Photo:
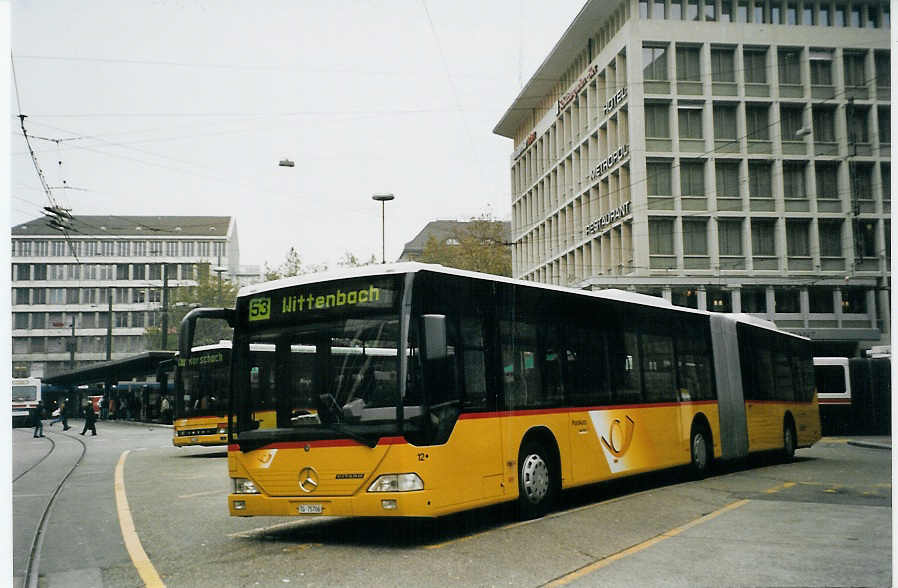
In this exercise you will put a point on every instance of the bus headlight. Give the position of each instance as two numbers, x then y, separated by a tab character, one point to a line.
244	486
397	483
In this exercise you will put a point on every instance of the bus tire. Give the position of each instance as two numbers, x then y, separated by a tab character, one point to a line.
700	450
789	440
537	480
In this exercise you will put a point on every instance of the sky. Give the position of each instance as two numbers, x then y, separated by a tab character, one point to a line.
185	107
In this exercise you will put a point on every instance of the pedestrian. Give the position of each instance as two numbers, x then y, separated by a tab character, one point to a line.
102	404
89	419
166	410
36	422
63	417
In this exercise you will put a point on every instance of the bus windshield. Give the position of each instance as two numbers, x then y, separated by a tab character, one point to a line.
204	385
23	393
325	379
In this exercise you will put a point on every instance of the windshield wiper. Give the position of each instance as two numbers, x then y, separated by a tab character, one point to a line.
331	409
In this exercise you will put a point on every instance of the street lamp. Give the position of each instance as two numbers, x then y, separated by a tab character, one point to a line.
383	199
219	269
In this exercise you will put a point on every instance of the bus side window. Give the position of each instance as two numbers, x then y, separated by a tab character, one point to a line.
658	366
693	367
626	368
587	376
474	363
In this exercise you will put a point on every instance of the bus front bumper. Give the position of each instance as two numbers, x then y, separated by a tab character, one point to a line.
369	504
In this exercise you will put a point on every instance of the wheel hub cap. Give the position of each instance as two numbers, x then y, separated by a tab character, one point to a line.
535	478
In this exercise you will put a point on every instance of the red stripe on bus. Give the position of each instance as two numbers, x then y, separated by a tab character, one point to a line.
571	409
833	401
321	443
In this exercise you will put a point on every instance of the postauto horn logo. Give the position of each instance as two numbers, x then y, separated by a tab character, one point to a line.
616	438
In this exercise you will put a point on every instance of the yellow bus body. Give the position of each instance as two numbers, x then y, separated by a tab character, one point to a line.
200	430
476	467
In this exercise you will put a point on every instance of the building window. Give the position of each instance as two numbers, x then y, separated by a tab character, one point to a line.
171	248
726	11
789	66
725	122
729	236
685	297
658	9
854	300
123	248
786	300
727	176
692	178
38	320
884	124
71	296
643	9
690	122
20	320
654	61
821	63
723	67
759	182
776	12
38	296
658	178
719	300
41	248
867	229
742	11
820	300
754	300
757	124
23	272
755	64
656	123
688	64
793	180
830	231
155	295
710	10
691	9
155	271
824	124
661	236
695	237
55	272
121	271
203	249
763	238
858	128
824	19
676	10
140	248
791	13
58	248
863	181
21	295
40	271
797	238
55	295
883	70
885	172
791	121
854	70
855	16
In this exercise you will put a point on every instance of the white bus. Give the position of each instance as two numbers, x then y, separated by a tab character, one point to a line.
26	393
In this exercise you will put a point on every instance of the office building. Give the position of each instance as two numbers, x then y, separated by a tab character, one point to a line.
63	288
729	155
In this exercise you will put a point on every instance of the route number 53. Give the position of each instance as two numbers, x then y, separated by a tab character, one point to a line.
259	309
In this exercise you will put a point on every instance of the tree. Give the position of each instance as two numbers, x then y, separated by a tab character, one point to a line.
291	266
209	291
350	260
478	245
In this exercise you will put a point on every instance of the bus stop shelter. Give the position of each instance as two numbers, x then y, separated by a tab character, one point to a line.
109	377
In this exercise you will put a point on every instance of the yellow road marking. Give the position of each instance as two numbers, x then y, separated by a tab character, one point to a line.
588	569
782	486
139	558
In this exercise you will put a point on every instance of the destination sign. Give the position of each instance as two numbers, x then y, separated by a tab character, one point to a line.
198	360
332	298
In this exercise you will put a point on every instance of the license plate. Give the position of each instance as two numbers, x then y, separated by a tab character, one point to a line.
310	509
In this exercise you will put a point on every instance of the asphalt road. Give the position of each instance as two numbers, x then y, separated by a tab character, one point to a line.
823	520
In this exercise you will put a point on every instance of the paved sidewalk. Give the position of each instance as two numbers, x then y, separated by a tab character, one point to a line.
872	441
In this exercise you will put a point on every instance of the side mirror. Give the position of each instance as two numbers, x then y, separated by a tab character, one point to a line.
188	325
435	346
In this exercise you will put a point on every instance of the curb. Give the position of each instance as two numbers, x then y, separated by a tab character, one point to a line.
870	445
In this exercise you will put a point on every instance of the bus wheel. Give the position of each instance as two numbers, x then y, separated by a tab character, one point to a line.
788	441
700	450
536	481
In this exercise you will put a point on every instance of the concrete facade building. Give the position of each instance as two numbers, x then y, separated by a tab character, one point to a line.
729	155
63	288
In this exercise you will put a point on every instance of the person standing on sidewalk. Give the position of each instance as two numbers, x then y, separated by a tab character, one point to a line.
89	419
36	422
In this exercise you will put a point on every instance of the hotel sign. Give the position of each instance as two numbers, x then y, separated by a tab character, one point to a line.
615	100
608	218
609	162
569	97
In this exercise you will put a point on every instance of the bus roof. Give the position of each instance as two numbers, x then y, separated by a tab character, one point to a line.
413	267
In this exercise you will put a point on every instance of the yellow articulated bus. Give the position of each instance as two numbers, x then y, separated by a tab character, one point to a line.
466	390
